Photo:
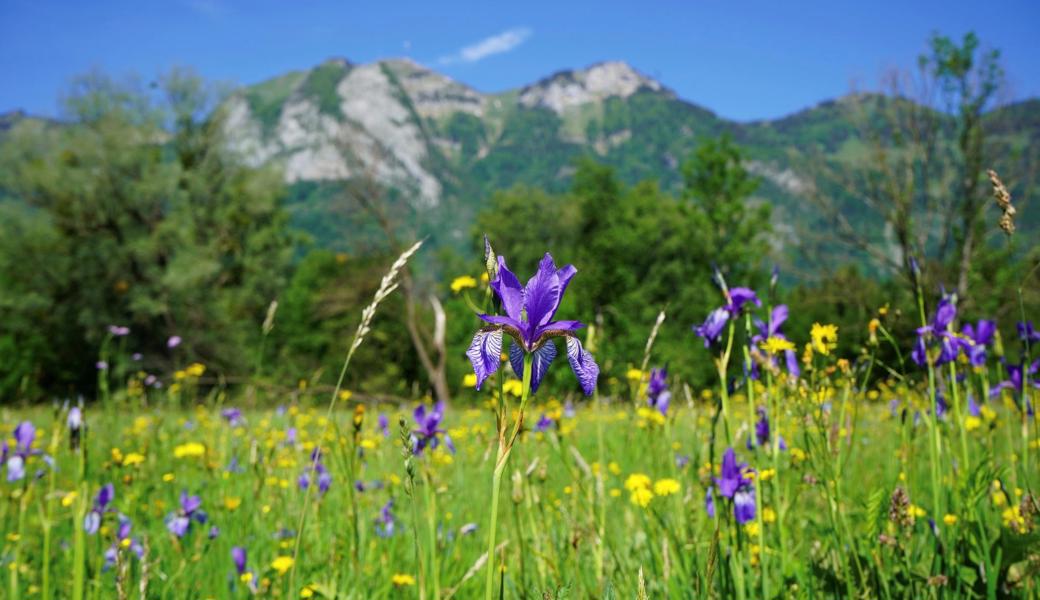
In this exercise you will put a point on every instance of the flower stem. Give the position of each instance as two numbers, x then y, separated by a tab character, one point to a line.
504	448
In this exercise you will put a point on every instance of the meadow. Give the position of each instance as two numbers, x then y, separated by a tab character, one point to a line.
803	474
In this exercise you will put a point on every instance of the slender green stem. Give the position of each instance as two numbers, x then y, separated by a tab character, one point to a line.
504	448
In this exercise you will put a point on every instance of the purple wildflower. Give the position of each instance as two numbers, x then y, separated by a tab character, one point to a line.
1027	333
385	522
772	329
233	416
657	394
529	322
104	497
734	484
179	523
173	342
118	330
384	424
545	423
428	432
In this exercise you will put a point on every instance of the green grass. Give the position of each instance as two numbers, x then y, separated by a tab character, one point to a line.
825	500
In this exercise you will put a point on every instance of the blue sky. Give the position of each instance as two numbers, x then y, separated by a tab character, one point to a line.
742	59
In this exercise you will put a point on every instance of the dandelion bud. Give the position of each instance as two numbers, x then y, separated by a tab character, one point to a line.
490	260
359	417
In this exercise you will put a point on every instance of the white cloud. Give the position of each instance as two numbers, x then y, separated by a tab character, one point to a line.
496	44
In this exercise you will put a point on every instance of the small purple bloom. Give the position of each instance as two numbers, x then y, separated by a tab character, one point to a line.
385	523
709	502
657	392
173	342
762	427
544	424
744	505
428	432
233	416
1027	333
384	424
179	523
118	330
104	497
711	329
238	557
101	365
732	474
738	297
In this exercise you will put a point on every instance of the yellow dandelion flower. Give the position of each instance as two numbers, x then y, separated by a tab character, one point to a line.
463	282
168	477
402	579
232	502
514	387
751	528
824	338
768	515
68	499
195	370
633	375
776	345
614	492
190	449
133	458
666	487
642	497
637	481
950	519
282	564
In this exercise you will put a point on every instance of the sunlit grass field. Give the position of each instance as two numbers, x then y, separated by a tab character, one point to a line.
803	474
597	491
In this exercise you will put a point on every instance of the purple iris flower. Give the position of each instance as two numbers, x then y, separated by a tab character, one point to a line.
1027	333
709	502
736	298
428	433
233	416
657	394
777	318
529	322
762	427
104	497
980	335
324	477
941	405
385	522
122	534
16	457
711	329
179	523
938	330
732	475
1016	381
734	483
238	556
744	505
545	423
384	424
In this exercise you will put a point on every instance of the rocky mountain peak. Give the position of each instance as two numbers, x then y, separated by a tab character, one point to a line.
598	82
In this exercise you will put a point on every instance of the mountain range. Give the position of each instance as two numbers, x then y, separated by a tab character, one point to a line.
442	148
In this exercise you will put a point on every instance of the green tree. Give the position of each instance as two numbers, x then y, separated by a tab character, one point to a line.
137	217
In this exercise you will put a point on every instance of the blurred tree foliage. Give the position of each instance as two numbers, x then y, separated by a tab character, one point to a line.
129	213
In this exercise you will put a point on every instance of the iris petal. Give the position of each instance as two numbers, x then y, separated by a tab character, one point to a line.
509	290
485	353
542	357
583	365
542	294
